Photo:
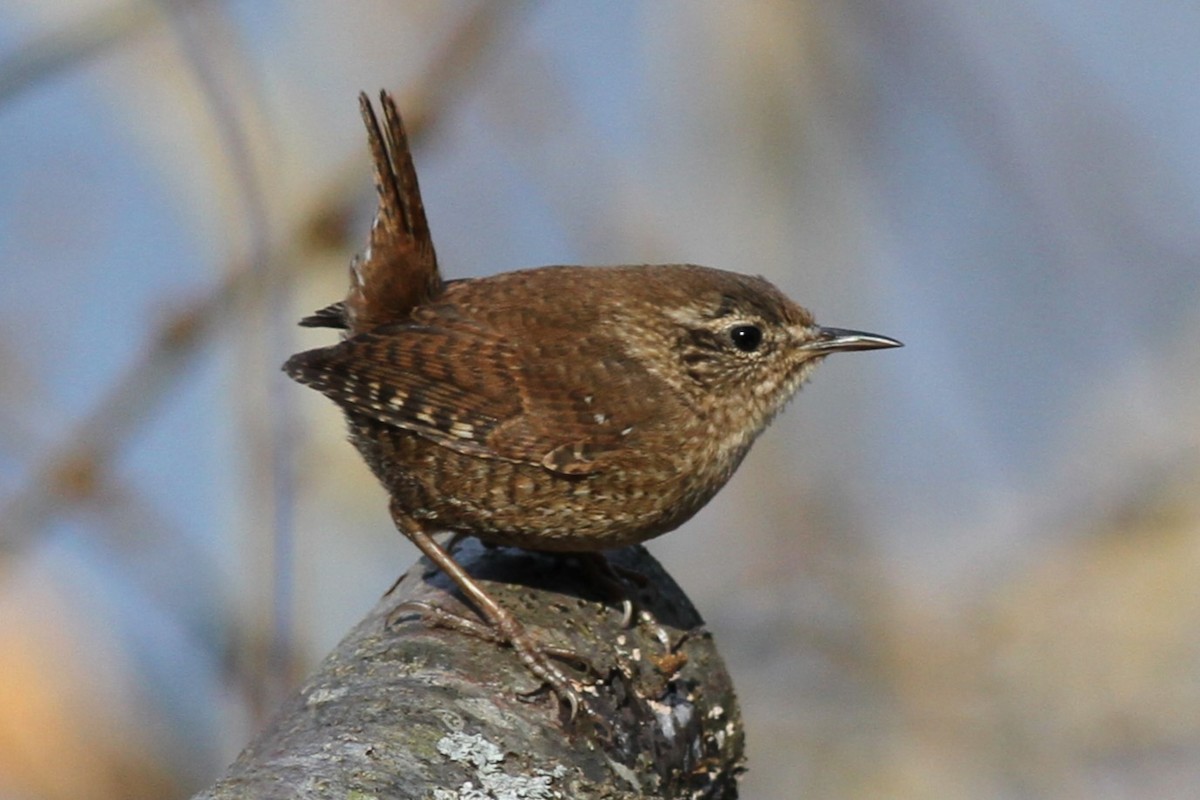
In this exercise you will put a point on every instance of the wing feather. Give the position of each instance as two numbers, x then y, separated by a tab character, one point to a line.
414	377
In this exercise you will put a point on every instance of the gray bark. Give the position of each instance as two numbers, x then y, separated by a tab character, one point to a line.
409	711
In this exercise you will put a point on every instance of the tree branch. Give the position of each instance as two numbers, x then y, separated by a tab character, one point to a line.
411	711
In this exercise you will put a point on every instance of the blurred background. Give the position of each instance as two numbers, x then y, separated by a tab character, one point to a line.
968	568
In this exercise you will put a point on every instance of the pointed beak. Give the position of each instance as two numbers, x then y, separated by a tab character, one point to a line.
831	340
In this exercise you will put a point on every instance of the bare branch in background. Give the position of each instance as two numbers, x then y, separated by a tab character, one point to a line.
69	48
69	472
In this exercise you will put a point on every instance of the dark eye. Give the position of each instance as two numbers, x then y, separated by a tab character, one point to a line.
746	338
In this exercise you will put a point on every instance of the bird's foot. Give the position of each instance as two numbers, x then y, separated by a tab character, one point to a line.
538	658
613	580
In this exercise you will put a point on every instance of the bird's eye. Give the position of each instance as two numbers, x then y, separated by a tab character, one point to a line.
746	338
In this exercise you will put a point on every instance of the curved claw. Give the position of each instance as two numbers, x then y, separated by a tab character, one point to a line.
627	610
611	579
534	655
565	694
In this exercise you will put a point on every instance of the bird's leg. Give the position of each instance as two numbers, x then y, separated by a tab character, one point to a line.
502	627
451	543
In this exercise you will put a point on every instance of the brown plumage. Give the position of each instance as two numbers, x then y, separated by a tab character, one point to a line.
398	271
558	408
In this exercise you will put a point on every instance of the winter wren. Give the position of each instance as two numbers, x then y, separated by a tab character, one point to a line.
571	409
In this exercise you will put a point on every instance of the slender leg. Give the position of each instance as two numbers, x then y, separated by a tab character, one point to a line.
450	545
505	626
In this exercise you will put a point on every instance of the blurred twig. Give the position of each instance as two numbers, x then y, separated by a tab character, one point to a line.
424	102
218	63
68	48
71	472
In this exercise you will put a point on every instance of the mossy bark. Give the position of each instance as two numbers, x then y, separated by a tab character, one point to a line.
409	711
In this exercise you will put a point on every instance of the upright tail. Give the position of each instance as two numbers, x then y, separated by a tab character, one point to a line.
398	270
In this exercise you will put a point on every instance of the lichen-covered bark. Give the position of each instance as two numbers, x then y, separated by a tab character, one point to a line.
409	711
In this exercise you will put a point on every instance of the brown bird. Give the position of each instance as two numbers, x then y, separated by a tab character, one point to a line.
562	408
